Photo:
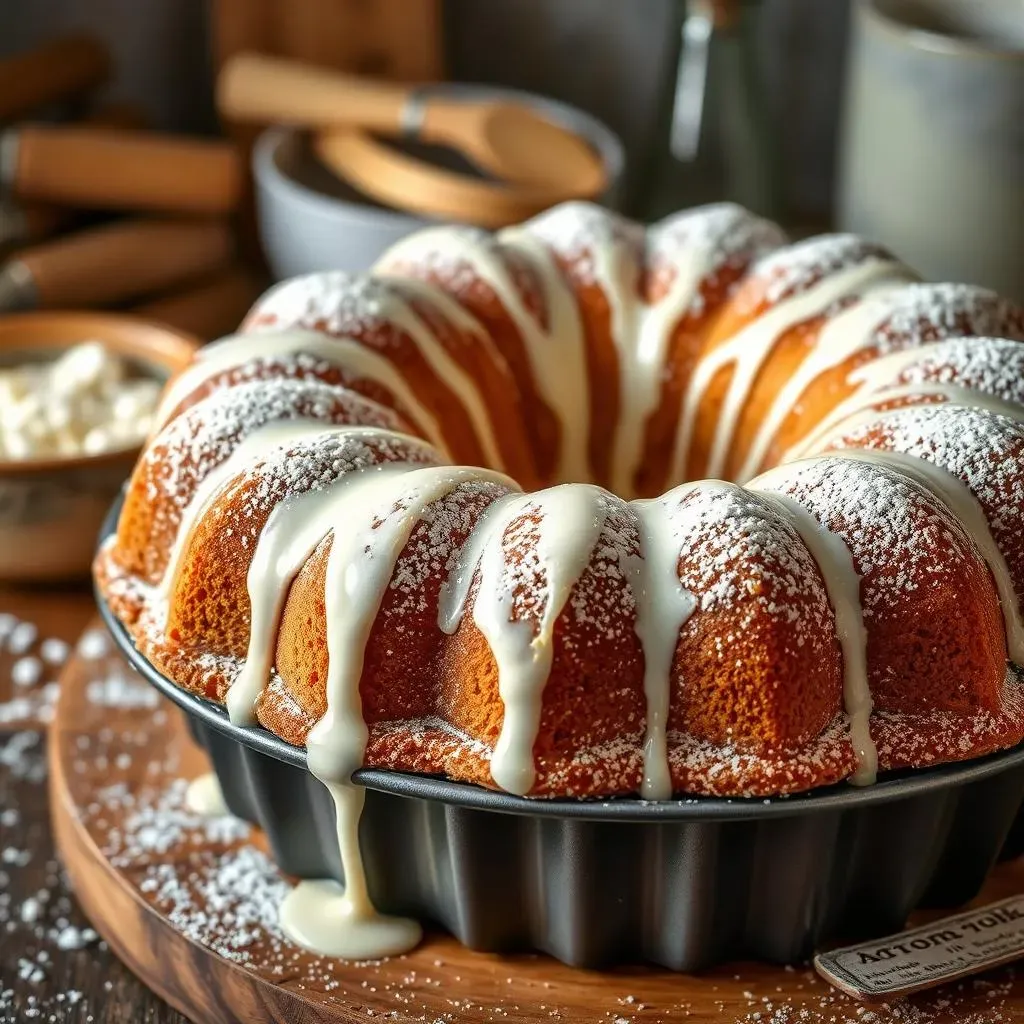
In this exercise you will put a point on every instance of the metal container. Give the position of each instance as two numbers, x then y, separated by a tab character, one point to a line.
681	883
310	220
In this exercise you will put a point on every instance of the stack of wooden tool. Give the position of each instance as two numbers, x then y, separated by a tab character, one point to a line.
98	212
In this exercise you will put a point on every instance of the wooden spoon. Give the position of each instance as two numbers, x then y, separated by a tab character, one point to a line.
508	140
407	183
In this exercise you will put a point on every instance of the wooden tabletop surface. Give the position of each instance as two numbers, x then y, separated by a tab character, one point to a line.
51	968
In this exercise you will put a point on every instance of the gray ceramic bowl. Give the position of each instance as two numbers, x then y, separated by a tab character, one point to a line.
310	220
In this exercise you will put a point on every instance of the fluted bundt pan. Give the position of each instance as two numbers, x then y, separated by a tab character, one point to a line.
682	883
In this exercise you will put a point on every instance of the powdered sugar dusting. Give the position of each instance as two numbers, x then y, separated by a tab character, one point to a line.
739	551
204	437
316	462
983	449
798	267
993	366
330	301
432	550
576	231
607	608
915	314
892	526
721	232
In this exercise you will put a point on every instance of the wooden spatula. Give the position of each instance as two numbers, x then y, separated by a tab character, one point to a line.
511	141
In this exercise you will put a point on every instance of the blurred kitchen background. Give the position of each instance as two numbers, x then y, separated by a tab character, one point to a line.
900	119
616	60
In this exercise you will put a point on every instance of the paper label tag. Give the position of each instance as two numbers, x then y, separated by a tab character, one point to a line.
931	955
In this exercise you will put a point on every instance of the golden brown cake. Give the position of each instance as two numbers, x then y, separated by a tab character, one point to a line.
441	518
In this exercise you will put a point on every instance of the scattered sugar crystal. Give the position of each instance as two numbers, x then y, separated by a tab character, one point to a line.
26	671
22	637
72	937
93	644
31	909
54	651
121	691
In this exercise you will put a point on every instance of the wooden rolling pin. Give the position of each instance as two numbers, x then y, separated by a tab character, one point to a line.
112	264
110	169
208	310
25	223
55	71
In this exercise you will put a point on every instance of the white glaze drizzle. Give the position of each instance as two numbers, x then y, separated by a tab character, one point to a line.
748	349
342	305
557	355
843	585
292	532
371	525
237	350
398	312
451	605
558	359
643	364
663	606
570	520
960	500
847	333
249	451
341	921
862	408
204	797
617	272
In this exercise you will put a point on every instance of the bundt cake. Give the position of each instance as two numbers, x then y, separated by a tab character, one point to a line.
450	517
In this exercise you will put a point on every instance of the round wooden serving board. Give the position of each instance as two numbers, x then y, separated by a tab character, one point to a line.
188	904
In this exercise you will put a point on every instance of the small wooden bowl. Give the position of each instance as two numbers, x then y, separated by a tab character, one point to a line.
51	509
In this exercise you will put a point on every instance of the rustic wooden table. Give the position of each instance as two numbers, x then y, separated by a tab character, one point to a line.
51	966
54	968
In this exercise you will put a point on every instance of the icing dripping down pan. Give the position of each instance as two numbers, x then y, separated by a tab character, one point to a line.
684	883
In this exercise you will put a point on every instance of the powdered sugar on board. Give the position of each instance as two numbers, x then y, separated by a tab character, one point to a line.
29	667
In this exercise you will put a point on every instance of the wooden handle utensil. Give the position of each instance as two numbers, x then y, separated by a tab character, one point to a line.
509	140
25	223
112	169
112	264
52	72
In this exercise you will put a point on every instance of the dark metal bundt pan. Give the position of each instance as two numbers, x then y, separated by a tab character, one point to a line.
684	883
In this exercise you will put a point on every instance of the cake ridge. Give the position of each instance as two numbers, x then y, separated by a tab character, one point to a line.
310	533
837	279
